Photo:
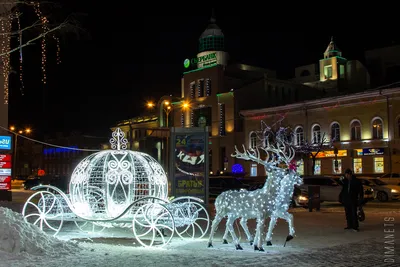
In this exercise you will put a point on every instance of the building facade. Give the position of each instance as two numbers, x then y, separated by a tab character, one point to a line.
365	127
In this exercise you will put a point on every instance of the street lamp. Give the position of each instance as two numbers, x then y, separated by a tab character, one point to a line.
167	109
14	131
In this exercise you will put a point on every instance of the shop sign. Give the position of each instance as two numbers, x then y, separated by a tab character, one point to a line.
5	142
372	151
206	60
330	154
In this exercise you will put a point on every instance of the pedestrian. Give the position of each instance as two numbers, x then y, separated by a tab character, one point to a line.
352	196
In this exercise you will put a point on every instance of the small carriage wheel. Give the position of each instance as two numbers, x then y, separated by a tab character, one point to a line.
153	222
44	209
191	219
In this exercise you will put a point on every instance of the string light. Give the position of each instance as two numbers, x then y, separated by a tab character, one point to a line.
45	28
5	57
208	87
20	41
58	52
222	131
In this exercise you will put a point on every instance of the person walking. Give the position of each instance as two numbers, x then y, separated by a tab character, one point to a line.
352	196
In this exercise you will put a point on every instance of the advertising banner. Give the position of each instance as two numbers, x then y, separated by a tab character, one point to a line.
5	182
5	142
189	162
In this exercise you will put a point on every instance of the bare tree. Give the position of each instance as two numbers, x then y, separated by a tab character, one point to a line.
313	148
18	31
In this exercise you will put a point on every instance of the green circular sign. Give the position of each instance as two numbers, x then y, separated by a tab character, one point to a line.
186	63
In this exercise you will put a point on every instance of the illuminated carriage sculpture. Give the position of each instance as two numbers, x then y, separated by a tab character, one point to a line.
119	188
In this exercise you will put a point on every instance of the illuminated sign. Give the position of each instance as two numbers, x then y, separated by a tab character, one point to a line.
5	165
372	151
48	151
5	182
5	157
5	142
206	60
330	154
5	172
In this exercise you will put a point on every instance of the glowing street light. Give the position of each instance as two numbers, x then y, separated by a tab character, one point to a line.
150	105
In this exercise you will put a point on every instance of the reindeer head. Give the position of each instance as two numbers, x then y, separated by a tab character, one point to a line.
254	155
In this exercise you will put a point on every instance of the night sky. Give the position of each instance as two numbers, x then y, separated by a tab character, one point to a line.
112	67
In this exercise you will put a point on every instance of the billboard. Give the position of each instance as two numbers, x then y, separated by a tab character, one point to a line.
5	171
5	142
189	162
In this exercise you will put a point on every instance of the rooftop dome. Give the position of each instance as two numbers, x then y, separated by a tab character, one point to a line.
212	39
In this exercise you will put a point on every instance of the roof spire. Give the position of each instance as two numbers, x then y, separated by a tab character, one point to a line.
212	19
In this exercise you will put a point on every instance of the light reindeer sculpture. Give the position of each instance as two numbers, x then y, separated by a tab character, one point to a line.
245	204
271	200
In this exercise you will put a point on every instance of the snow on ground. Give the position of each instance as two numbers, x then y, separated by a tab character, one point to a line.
317	233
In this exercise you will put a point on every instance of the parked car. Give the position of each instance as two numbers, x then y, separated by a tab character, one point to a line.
32	181
391	178
219	184
330	187
382	191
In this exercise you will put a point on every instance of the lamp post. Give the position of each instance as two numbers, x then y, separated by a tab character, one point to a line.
16	132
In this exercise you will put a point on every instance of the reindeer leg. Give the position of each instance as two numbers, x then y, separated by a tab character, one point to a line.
243	223
271	227
225	237
260	227
229	225
214	226
289	218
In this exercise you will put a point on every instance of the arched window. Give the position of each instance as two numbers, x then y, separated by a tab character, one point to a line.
377	128
316	134
299	136
253	140
355	127
335	132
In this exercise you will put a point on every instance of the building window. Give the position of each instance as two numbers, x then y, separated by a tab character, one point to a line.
222	119
335	132
341	71
337	170
192	89
328	71
208	87
253	170
317	168
355	131
379	165
253	140
316	134
377	131
299	138
300	167
357	165
182	119
200	88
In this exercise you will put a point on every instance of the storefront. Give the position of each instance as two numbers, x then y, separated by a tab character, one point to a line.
361	161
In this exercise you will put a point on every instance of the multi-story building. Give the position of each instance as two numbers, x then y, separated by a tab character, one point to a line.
365	127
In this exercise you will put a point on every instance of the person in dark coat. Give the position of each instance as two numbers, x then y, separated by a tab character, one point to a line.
352	196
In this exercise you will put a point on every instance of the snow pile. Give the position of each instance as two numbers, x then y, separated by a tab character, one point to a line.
17	236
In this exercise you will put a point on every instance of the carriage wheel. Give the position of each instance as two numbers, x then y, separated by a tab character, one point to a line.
153	225
192	219
44	209
96	202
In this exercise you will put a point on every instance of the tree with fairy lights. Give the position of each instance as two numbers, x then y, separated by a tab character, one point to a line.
272	200
18	31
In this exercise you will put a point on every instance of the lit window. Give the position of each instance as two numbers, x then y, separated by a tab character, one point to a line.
317	168
300	168
379	165
316	134
335	132
337	170
357	165
377	131
299	136
253	140
328	71
253	170
355	131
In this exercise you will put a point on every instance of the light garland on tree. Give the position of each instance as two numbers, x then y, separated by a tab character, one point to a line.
272	200
5	47
45	28
20	41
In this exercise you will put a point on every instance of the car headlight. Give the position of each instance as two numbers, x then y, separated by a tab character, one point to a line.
394	191
302	198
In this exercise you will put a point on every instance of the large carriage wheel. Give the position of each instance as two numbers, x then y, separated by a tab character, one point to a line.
191	219
153	224
44	209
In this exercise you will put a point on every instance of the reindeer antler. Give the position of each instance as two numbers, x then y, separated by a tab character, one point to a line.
252	154
282	150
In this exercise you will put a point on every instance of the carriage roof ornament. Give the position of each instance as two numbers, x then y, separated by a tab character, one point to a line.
118	140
